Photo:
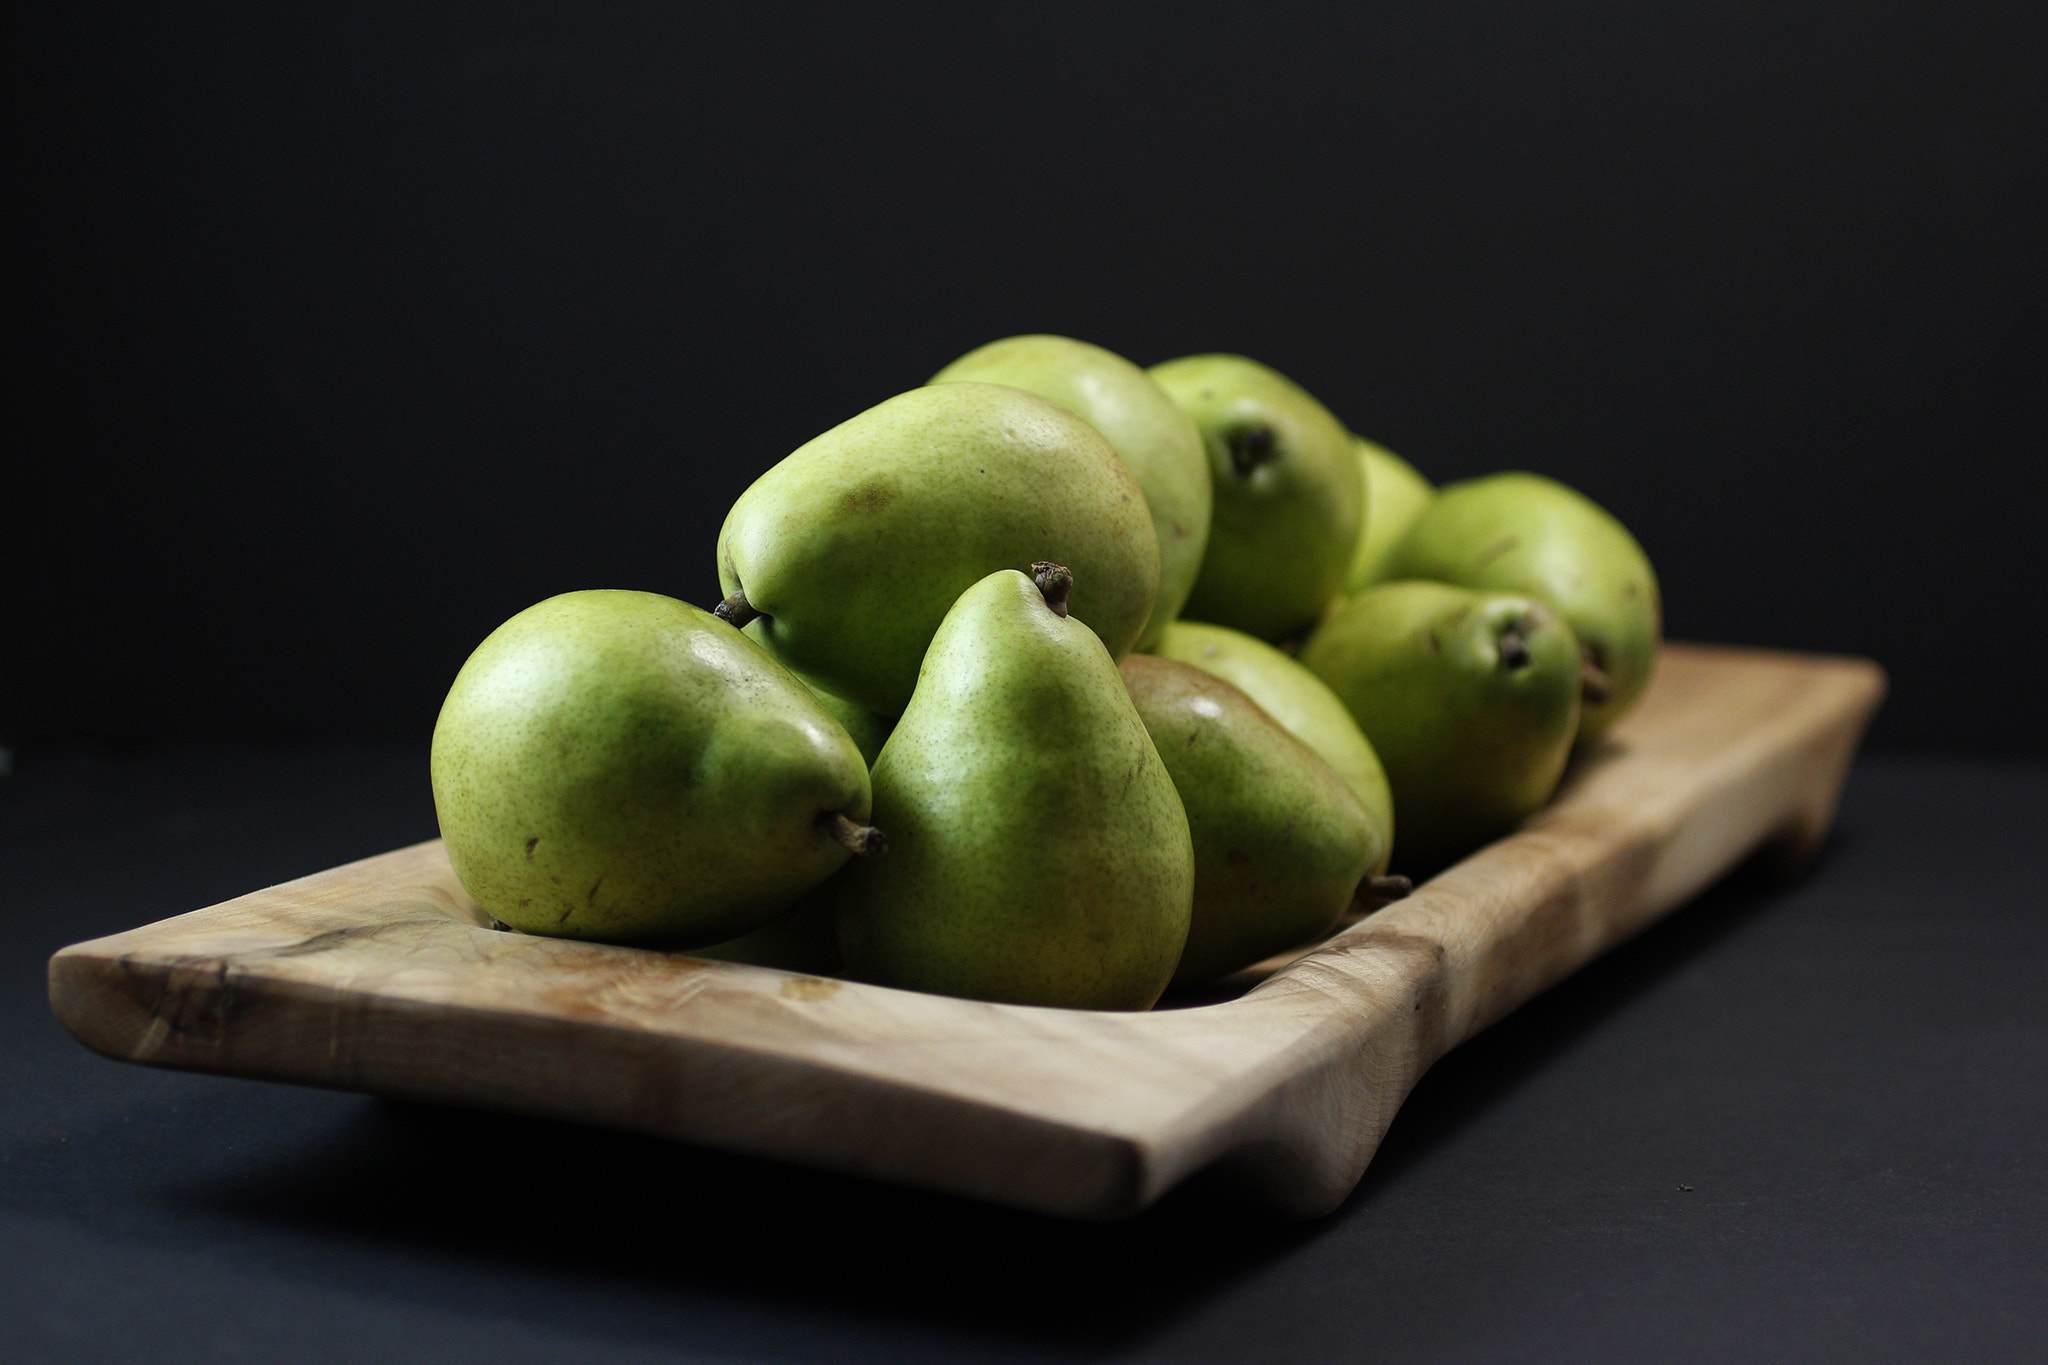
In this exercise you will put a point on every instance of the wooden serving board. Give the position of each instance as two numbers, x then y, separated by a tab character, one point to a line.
383	976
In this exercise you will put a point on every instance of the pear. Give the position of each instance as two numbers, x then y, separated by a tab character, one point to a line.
867	729
1155	438
856	546
1289	495
1528	534
1038	852
1395	495
1470	700
622	766
1300	701
1280	841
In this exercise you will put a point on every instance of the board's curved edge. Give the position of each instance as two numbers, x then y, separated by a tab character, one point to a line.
1303	1074
1575	896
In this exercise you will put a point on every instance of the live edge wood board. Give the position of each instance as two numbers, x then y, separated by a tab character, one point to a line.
382	976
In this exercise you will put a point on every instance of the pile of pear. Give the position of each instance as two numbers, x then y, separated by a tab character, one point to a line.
1054	681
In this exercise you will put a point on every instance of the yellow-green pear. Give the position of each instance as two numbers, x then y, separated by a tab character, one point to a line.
1299	700
1038	852
1470	700
622	766
1155	438
1280	841
1289	495
1525	533
1395	495
856	546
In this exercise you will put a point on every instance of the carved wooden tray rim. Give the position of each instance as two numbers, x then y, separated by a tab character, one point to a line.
381	975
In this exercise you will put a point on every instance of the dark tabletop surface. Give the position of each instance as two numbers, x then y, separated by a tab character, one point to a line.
1799	1120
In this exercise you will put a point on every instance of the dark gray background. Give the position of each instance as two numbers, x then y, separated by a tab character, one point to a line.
1796	1122
352	329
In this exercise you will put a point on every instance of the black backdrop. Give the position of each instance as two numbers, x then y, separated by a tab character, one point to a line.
352	329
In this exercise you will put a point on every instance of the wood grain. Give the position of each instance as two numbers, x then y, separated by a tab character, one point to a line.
382	976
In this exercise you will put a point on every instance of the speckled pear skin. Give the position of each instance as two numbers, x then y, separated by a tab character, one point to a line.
1148	429
622	766
1288	510
1280	840
1472	742
1038	852
1395	494
1300	701
857	544
1525	533
867	729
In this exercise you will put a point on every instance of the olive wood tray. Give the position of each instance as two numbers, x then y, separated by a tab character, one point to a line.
383	976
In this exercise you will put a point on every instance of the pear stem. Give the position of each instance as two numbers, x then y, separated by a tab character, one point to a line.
1514	650
1054	581
1595	687
735	609
864	840
1252	447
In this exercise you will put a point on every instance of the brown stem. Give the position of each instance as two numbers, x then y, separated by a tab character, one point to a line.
1251	447
1514	650
1054	581
1385	888
865	840
735	609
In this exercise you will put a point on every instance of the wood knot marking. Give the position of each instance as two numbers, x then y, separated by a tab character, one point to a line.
189	999
809	988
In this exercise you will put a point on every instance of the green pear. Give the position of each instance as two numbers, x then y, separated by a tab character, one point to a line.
856	545
1280	841
1527	534
1470	700
1395	495
1300	701
1155	438
622	766
1289	496
867	729
1038	852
